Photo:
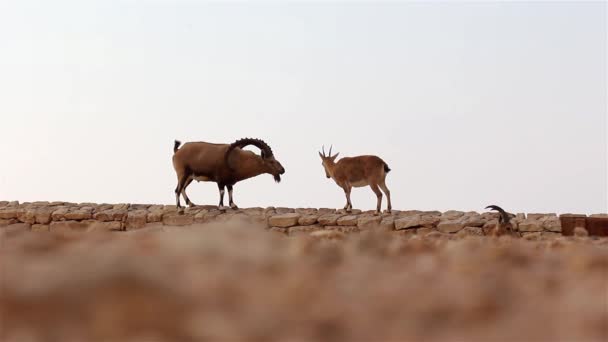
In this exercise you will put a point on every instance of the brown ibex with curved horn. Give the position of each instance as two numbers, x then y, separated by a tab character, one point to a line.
504	225
225	164
359	171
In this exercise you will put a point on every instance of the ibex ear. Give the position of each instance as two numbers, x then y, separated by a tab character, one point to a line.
335	156
320	155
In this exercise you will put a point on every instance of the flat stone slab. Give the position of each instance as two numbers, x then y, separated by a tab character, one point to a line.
284	220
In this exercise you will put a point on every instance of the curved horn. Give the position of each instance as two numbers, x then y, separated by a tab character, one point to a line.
259	143
323	149
503	214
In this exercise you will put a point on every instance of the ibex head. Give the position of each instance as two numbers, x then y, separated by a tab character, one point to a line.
327	160
271	165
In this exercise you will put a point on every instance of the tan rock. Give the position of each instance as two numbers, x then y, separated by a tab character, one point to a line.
349	220
551	223
284	220
452	215
28	216
473	220
111	215
387	224
43	215
530	225
282	210
306	211
324	211
177	220
415	221
121	206
11	213
538	216
580	232
329	219
450	226
308	219
136	219
105	226
80	214
59	213
372	222
156	216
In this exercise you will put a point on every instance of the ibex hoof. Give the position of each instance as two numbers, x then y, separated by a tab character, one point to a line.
222	208
191	205
233	206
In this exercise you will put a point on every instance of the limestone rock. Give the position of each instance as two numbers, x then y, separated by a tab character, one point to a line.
329	219
59	213
452	215
10	213
136	219
450	226
539	216
80	214
308	219
551	223
473	220
284	220
155	216
371	222
415	221
530	225
349	220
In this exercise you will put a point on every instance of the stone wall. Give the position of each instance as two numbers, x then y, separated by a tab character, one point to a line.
63	216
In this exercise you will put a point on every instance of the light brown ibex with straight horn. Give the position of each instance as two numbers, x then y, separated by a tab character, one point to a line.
225	164
356	172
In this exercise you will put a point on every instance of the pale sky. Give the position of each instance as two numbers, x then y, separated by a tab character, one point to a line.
469	103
